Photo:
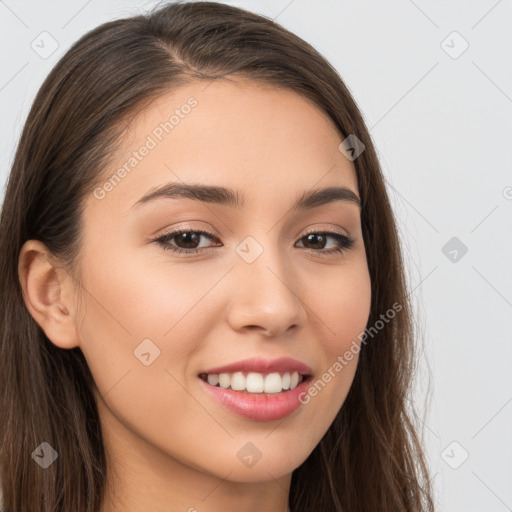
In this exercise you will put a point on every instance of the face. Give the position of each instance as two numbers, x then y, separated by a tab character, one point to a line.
254	289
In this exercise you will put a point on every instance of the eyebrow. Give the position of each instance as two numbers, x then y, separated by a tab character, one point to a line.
228	197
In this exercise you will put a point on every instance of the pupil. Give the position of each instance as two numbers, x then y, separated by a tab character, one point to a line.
183	238
313	236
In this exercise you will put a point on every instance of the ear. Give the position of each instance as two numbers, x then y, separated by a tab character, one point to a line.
48	294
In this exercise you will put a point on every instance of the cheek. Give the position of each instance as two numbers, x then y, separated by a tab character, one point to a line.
342	301
145	295
342	305
132	308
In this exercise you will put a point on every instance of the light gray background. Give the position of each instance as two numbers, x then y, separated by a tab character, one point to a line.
442	124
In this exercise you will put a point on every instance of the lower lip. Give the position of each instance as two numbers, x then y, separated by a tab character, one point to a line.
259	407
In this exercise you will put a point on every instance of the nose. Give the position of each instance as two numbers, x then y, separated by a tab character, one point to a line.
266	296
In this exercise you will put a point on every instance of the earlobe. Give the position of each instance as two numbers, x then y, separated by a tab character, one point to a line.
47	291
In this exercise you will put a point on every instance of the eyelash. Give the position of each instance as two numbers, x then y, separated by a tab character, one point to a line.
345	241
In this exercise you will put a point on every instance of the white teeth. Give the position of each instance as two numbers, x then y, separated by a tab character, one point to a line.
286	381
273	383
238	381
294	380
224	380
254	382
213	379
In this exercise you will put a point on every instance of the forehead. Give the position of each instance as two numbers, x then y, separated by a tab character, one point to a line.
235	133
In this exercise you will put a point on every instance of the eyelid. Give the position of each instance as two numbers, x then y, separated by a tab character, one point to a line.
178	228
317	229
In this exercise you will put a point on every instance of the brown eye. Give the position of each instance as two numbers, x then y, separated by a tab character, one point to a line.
317	241
189	239
184	240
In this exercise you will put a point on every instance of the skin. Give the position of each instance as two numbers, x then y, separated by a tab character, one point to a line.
168	442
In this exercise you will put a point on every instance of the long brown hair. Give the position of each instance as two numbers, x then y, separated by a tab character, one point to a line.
371	458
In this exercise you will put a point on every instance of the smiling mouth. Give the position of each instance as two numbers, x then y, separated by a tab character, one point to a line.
255	382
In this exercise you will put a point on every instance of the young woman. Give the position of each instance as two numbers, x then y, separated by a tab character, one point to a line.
203	297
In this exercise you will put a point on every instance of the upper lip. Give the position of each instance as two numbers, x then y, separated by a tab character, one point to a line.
262	365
